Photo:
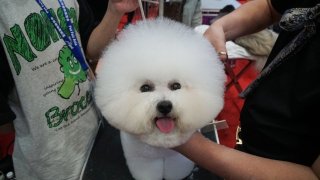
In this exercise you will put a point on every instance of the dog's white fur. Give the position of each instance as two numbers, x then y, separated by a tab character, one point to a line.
159	53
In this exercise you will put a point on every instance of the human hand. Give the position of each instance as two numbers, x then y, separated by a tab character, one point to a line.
122	6
193	141
215	34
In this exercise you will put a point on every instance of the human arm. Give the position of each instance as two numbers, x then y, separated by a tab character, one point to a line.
251	17
103	34
233	164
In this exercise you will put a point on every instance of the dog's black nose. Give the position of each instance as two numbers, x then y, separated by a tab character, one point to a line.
164	107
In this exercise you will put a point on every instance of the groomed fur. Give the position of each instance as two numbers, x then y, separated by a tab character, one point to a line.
158	53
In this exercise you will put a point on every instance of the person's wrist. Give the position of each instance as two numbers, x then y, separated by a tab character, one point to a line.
223	55
114	14
180	147
192	140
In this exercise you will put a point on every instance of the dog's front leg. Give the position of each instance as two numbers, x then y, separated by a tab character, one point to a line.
145	169
177	167
142	159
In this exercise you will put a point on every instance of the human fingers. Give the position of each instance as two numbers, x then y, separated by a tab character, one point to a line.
216	36
124	6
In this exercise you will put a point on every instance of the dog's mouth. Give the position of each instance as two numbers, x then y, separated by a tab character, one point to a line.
165	124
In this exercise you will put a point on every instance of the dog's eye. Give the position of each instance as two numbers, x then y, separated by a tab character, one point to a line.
175	86
146	88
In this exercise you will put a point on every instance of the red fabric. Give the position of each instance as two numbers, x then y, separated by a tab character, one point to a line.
6	144
242	1
233	105
152	13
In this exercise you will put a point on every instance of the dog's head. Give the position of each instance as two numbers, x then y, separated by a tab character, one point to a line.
160	81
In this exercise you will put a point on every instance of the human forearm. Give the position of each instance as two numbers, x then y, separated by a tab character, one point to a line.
316	167
232	164
102	35
249	18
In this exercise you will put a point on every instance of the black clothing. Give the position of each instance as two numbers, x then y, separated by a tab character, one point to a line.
99	7
6	79
279	119
87	22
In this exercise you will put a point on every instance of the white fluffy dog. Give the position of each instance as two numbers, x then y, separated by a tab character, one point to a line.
159	83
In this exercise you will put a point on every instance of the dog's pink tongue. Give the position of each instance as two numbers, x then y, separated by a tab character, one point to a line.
165	125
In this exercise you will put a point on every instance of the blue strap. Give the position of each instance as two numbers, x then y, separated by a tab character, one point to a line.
71	41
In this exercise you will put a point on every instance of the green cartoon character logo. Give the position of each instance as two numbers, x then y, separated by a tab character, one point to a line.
73	73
